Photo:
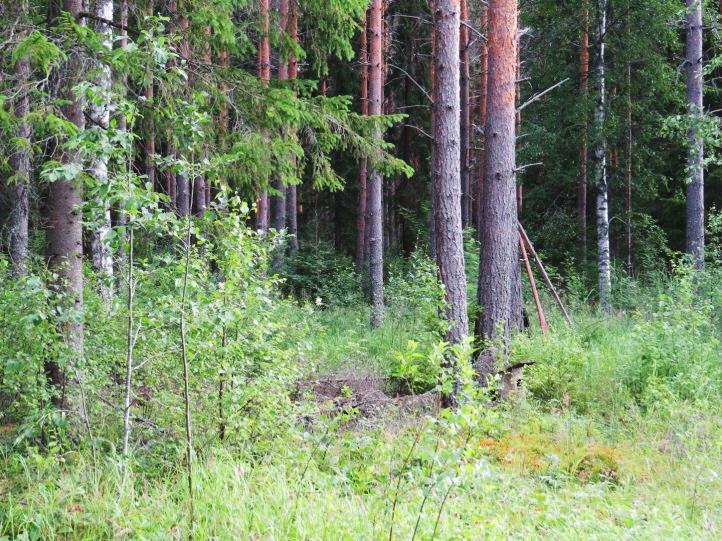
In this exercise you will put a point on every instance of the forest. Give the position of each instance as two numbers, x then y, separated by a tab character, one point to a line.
360	269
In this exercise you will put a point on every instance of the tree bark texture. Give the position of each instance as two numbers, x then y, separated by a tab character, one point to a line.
695	163
465	117
264	73
483	84
499	262
65	236
447	170
375	187
600	164
19	189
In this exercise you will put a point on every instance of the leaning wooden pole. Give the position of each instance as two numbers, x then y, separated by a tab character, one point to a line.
544	274
535	292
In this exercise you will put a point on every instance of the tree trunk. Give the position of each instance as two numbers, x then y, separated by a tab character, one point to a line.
65	239
20	164
279	206
448	163
483	85
183	187
465	120
600	164
583	147
292	191
149	141
695	161
432	213
361	254
629	171
375	188
99	113
264	73
499	261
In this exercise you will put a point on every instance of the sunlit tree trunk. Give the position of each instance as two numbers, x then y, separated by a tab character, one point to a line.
499	257
695	163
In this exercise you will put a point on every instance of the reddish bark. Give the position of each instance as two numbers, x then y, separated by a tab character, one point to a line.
264	73
291	192
465	119
499	257
483	84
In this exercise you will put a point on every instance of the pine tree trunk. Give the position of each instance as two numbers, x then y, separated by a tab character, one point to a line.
600	164
695	186
499	260
20	165
483	85
361	254
264	73
447	171
465	119
65	239
292	191
375	187
583	147
279	201
99	113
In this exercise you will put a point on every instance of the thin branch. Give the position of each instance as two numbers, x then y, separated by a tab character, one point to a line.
428	97
538	96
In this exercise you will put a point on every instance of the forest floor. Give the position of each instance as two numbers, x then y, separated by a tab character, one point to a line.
577	458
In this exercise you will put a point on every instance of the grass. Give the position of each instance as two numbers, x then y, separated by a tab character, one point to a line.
620	436
553	475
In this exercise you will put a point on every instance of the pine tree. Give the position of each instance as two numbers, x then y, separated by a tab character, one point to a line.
465	116
375	185
499	261
447	165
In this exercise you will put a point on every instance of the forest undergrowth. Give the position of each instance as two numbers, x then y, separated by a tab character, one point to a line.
618	434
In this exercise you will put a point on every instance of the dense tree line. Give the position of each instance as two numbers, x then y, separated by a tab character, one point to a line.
379	126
